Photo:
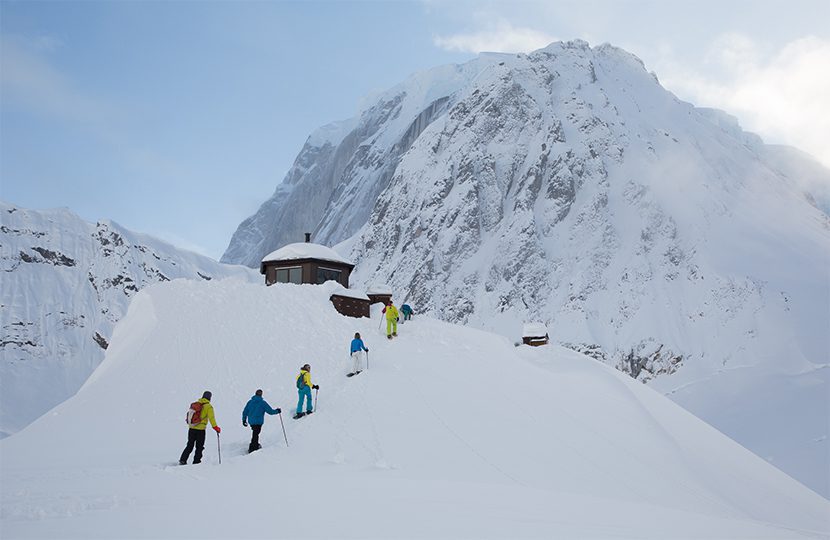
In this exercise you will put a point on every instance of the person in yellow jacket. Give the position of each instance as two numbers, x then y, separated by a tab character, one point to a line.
304	387
198	425
391	319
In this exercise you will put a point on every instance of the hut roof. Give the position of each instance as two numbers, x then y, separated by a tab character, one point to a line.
305	250
348	293
535	329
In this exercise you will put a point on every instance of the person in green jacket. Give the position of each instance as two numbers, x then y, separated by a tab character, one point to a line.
197	422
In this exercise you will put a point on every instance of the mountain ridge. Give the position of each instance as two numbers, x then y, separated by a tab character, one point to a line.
66	283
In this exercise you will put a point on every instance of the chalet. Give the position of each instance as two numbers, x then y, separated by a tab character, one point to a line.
535	334
305	262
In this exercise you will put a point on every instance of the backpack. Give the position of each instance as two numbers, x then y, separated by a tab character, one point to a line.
301	381
194	414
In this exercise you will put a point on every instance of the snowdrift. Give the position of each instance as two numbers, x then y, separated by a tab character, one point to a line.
66	283
451	432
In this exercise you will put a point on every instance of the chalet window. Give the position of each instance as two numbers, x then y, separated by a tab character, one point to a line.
290	275
327	274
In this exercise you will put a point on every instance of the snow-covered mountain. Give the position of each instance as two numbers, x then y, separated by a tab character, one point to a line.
65	283
451	432
568	186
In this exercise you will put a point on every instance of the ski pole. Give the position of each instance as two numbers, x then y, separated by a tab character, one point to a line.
367	359
218	448
283	429
316	400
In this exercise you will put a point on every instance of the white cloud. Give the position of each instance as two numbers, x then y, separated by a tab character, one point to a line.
782	96
499	37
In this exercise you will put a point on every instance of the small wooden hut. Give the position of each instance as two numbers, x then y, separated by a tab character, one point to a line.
350	303
535	334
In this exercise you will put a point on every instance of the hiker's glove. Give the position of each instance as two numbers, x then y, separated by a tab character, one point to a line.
316	387
244	423
217	429
279	410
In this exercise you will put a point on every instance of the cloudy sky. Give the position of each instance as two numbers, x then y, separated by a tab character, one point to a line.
179	118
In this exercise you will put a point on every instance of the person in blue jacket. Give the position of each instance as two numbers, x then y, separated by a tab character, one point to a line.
357	351
254	414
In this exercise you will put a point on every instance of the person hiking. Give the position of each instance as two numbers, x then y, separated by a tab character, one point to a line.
197	418
407	311
357	351
254	414
391	319
304	387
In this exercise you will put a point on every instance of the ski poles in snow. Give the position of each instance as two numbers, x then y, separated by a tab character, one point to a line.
283	429
316	399
218	448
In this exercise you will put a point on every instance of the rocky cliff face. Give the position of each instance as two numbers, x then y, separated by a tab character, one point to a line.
65	283
567	186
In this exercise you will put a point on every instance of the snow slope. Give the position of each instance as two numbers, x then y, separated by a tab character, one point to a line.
568	187
451	432
65	283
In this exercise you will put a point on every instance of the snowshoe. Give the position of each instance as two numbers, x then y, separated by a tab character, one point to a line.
299	415
395	334
309	412
389	336
182	463
351	374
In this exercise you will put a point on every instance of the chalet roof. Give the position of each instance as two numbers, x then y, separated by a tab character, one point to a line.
305	250
535	329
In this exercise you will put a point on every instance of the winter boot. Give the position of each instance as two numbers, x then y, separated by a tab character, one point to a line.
299	415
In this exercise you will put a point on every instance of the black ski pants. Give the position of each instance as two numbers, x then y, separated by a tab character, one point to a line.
254	446
194	437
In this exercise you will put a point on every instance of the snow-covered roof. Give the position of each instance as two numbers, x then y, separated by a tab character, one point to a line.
535	329
379	289
305	250
348	293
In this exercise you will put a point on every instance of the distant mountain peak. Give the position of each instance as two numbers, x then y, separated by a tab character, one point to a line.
567	186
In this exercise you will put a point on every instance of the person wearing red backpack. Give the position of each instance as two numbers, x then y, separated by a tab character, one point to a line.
200	413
